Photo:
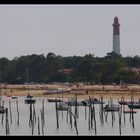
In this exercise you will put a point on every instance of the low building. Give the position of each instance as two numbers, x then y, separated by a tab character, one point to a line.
66	71
134	69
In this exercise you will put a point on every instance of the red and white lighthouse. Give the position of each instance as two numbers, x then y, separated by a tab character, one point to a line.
116	36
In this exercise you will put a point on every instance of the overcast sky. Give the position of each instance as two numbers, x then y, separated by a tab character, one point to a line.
67	30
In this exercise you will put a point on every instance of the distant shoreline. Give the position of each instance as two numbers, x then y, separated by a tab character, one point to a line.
107	91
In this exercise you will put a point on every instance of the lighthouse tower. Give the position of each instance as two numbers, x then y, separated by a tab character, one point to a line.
116	36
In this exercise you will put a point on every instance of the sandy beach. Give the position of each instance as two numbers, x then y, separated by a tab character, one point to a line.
107	91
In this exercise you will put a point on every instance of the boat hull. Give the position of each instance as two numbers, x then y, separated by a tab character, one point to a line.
2	109
30	101
133	106
129	111
54	100
57	91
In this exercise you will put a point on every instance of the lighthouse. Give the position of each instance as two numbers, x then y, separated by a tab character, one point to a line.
116	36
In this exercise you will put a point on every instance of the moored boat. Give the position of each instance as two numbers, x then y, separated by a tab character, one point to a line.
14	97
130	111
62	106
111	107
93	101
2	109
135	105
74	103
54	100
125	102
29	99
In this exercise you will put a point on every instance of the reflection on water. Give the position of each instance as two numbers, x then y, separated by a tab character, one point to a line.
104	126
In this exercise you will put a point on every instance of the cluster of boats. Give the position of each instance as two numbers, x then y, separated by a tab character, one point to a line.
74	102
130	104
63	105
29	100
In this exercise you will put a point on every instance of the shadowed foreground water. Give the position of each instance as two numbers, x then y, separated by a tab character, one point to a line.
50	127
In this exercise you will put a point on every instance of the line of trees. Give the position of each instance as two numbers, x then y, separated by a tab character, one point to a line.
108	69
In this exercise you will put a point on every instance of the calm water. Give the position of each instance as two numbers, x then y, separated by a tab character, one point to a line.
50	127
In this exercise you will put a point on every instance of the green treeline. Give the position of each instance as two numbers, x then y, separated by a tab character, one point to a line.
108	69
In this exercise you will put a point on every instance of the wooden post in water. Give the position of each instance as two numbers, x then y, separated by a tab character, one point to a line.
38	126
17	113
112	112
120	116
132	100
94	119
57	122
77	110
89	113
61	112
43	116
120	123
75	123
101	111
106	114
31	116
76	114
85	112
7	123
2	114
67	114
42	122
10	111
32	126
34	113
123	99
121	109
70	114
131	109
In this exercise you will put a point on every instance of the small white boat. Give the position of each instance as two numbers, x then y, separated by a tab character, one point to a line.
59	90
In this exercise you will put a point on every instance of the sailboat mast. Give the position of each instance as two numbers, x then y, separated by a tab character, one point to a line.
27	71
62	83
